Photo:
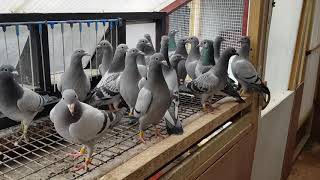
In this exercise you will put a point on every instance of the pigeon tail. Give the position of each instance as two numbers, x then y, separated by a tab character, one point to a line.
229	90
174	129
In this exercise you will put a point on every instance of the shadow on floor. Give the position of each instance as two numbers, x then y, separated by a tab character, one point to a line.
307	165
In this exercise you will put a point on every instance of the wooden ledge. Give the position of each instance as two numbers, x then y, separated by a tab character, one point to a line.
149	161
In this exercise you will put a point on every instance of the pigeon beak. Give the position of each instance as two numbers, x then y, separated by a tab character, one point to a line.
176	30
86	54
15	73
223	39
141	53
237	54
71	108
98	46
199	45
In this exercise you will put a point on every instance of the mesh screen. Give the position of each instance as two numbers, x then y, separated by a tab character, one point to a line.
209	18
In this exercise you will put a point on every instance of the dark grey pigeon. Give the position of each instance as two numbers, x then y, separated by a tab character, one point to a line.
18	103
154	98
214	81
193	57
74	77
107	56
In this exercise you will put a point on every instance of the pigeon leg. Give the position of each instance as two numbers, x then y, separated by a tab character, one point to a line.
131	112
207	107
77	154
87	160
157	132
141	137
24	128
111	109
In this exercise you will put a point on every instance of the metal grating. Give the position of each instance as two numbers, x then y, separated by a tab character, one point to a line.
44	156
210	18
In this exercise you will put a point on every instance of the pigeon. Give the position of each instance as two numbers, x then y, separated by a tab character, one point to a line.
246	74
181	47
178	63
206	57
173	124
172	42
217	47
19	103
213	81
107	56
153	99
81	123
107	91
147	48
131	81
7	67
193	57
74	77
164	47
148	37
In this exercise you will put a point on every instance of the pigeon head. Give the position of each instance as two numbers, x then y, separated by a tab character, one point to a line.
147	36
104	44
123	48
79	53
219	39
173	32
206	44
134	52
7	67
182	41
157	57
193	40
70	97
227	53
175	59
142	44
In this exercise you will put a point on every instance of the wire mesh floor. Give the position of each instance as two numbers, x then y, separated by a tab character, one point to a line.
44	156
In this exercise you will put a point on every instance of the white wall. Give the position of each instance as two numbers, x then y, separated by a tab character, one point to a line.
311	67
137	31
272	138
282	39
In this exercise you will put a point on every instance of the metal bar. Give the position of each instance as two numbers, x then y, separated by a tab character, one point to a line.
55	22
63	53
31	57
66	16
42	59
5	43
161	29
19	54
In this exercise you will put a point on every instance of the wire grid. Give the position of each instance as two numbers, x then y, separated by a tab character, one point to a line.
216	17
44	156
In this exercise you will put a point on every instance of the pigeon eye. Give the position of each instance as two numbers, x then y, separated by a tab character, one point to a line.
75	96
122	47
63	98
157	58
5	69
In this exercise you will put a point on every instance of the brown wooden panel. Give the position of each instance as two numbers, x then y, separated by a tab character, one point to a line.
292	132
235	164
315	133
174	6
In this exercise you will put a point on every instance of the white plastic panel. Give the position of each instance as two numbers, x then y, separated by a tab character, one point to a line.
61	6
312	62
137	31
281	45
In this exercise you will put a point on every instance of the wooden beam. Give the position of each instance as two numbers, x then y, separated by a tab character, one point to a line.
198	162
152	159
174	6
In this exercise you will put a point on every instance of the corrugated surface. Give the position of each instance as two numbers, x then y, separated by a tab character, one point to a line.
59	6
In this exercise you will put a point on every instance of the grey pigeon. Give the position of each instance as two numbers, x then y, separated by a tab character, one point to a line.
206	57
217	47
154	98
181	47
107	91
147	48
246	74
193	57
173	124
18	103
74	77
81	123
213	81
178	63
107	56
172	42
130	79
7	67
148	37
